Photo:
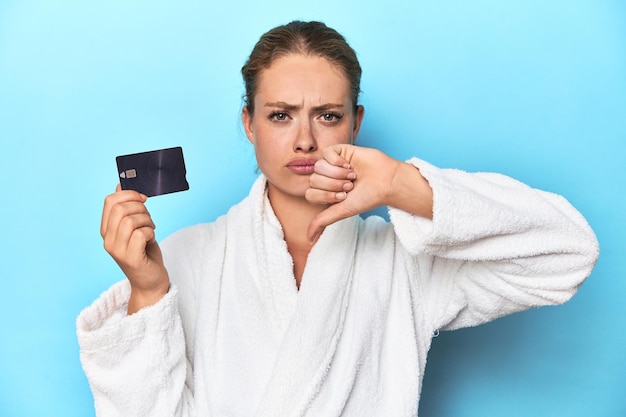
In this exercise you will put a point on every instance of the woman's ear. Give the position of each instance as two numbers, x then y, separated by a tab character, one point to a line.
358	119
246	120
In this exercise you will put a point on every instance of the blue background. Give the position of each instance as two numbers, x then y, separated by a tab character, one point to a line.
533	89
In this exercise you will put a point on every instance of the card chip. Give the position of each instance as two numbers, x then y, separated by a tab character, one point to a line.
129	173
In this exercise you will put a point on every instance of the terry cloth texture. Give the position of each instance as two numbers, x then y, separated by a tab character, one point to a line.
234	337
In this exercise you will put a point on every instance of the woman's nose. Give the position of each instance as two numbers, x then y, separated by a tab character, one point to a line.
305	140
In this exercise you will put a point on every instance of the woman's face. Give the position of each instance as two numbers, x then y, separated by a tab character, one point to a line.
302	105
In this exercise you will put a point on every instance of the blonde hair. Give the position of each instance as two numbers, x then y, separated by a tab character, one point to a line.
306	38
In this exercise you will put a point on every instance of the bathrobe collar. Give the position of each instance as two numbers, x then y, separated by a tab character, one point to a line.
310	320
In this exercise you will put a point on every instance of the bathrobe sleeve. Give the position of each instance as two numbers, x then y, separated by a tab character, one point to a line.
495	246
136	365
142	364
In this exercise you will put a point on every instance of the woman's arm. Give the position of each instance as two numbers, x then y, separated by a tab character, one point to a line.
132	344
486	245
494	246
128	233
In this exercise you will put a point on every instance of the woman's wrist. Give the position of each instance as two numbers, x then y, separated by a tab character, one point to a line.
144	298
410	191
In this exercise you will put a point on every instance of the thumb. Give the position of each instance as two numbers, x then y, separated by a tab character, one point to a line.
339	155
332	214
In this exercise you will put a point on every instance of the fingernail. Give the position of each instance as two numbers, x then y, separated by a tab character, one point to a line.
342	195
346	166
352	175
347	186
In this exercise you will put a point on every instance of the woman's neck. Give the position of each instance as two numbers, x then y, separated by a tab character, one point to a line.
294	214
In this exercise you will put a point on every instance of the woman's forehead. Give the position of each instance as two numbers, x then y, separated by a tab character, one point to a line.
295	78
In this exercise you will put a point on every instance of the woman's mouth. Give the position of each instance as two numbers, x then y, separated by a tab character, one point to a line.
302	166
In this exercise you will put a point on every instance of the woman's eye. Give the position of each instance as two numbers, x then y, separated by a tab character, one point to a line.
331	117
278	116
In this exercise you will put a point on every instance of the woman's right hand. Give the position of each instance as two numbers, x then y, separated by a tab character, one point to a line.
128	233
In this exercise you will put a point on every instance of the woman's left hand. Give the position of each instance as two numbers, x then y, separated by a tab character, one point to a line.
373	177
353	180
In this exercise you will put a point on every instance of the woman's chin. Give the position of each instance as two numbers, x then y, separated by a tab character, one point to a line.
290	191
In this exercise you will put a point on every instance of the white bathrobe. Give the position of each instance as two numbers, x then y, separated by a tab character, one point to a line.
235	338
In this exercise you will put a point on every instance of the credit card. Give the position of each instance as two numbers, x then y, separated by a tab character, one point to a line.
154	172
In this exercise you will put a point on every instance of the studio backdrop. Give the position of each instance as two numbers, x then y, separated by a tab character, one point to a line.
533	89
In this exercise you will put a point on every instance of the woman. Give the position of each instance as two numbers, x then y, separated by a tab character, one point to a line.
293	305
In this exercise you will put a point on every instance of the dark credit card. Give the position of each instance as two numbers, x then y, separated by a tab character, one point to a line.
154	172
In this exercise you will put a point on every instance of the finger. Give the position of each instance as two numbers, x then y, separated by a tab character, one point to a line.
118	212
125	244
129	224
327	217
327	169
137	243
123	219
316	196
118	234
321	182
112	200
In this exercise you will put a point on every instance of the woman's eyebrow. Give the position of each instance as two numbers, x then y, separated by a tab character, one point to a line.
287	106
328	106
282	105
